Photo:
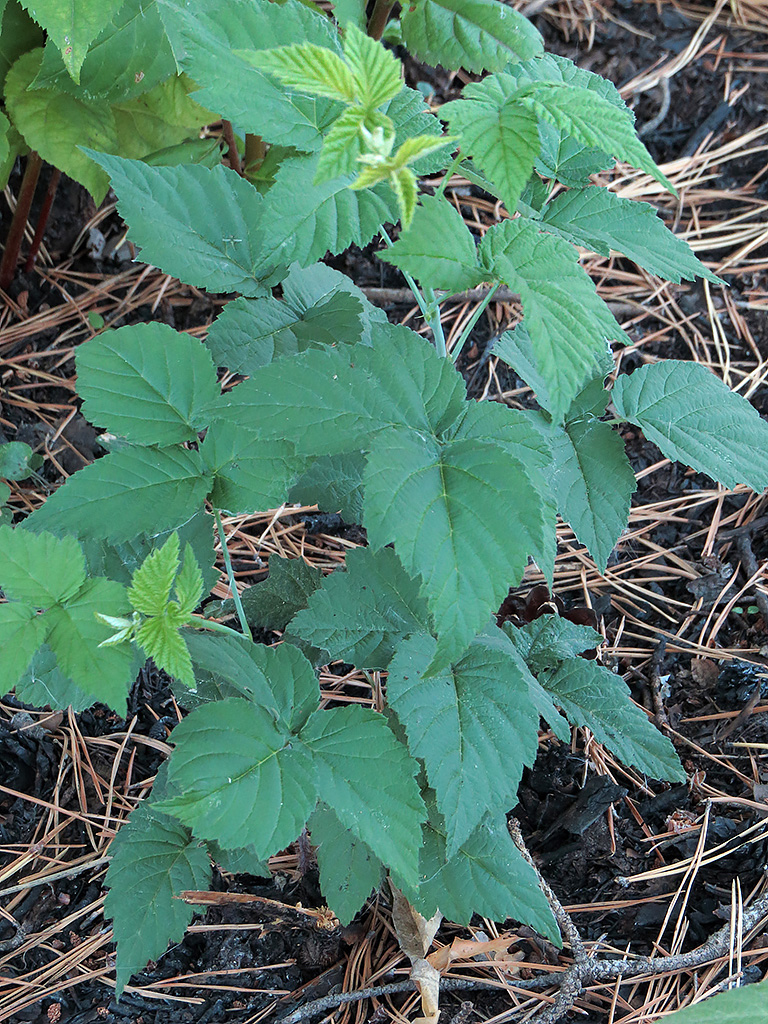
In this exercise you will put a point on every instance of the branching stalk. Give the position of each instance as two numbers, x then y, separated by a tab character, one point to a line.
42	220
379	18
231	577
19	222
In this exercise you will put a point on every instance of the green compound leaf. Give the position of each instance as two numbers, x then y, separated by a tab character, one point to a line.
287	590
248	473
152	859
160	640
335	484
497	132
362	615
592	120
344	143
550	639
383	809
39	569
75	633
473	725
487	876
696	419
319	307
477	35
307	68
424	498
598	219
238	862
199	224
189	583
15	459
731	1007
377	73
127	493
147	383
56	124
594	482
568	324
43	683
22	632
239	779
150	587
207	35
73	25
592	696
438	248
349	872
277	679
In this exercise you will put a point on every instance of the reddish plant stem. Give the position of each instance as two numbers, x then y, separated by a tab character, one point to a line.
42	220
19	221
379	17
232	153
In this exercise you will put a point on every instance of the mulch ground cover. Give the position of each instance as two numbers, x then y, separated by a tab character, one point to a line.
643	869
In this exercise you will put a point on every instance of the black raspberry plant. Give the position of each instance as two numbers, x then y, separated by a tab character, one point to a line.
333	405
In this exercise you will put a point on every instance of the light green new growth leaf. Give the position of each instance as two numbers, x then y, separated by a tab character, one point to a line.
349	871
696	419
550	639
152	859
419	146
189	583
151	585
593	482
568	324
207	33
382	808
487	876
127	493
405	187
344	143
363	614
44	683
477	35
160	640
22	632
473	725
73	25
147	383
592	120
15	459
199	224
424	497
39	569
749	1003
499	133
598	219
377	73
75	634
306	67
56	124
239	778
592	696
438	249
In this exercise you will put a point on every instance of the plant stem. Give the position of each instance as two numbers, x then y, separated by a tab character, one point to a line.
430	308
449	174
456	350
229	137
379	17
42	220
19	222
231	576
200	622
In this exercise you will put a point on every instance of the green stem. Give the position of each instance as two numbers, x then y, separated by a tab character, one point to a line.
456	350
231	576
449	174
200	622
379	18
430	308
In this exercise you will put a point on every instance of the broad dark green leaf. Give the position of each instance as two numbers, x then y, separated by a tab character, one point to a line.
22	632
158	125
550	639
349	871
127	493
472	724
732	1007
598	219
334	483
272	603
568	324
43	683
153	859
206	34
238	862
73	25
361	615
478	35
350	746
696	419
147	382
438	248
197	223
593	483
39	569
501	135
15	459
237	777
18	34
592	696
